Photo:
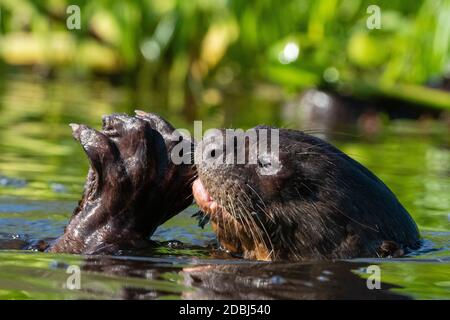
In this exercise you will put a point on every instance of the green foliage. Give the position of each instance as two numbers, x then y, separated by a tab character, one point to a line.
182	46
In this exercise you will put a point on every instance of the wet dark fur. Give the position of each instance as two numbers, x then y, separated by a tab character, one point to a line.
132	186
322	204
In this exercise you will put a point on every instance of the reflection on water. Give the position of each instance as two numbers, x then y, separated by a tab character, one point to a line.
44	276
42	171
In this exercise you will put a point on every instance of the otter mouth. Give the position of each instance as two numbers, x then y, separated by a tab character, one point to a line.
239	238
212	210
204	200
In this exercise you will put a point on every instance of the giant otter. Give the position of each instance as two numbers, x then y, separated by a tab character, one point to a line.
319	203
132	186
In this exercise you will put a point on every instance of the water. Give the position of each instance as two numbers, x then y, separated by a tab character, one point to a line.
42	171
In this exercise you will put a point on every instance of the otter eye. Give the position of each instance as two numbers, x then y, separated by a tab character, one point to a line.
264	162
268	164
212	153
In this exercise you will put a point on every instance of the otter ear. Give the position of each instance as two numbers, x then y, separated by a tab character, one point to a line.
99	149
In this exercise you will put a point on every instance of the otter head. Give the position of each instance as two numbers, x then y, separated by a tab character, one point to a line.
132	186
236	181
294	196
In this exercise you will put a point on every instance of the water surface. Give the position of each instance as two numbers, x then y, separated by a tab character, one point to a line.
42	171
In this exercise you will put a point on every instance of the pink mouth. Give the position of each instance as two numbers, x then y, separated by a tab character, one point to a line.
203	199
